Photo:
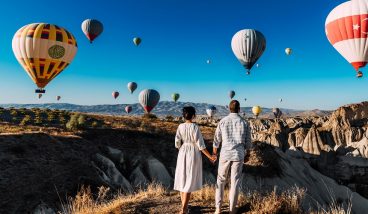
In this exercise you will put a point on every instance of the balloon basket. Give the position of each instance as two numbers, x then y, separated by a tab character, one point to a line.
40	91
359	74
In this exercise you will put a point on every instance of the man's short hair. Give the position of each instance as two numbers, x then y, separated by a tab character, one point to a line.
234	106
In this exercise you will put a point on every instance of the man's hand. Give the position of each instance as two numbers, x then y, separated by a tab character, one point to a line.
214	158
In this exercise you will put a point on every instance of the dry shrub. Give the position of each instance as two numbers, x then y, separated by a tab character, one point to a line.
286	202
272	202
85	202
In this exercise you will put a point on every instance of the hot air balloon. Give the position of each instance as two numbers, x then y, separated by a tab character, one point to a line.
58	98
288	51
211	111
44	51
231	94
347	30
175	96
137	41
257	65
280	100
115	94
92	28
39	96
208	61
132	86
148	99
128	109
276	112
245	99
248	46
256	110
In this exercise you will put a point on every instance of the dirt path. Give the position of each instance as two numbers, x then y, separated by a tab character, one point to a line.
172	204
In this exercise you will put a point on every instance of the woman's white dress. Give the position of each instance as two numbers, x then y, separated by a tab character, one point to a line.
188	173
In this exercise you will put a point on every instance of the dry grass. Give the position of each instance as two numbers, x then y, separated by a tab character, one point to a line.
85	203
251	202
286	202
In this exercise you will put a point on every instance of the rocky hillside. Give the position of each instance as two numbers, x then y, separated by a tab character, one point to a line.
326	156
164	108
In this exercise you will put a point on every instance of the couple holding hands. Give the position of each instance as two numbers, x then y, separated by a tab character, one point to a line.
232	134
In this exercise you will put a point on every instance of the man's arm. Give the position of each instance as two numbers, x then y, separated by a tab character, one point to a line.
217	140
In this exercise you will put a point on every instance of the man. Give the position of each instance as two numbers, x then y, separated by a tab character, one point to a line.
234	134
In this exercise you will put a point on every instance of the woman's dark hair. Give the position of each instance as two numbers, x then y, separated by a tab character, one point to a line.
189	112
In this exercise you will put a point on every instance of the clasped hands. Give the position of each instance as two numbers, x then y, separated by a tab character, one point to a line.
213	158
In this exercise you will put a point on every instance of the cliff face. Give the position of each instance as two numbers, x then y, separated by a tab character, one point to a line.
332	145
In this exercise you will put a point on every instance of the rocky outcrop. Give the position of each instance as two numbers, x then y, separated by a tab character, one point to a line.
294	171
43	208
313	143
296	138
111	175
138	179
157	172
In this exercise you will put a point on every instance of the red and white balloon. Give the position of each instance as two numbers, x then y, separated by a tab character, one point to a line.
347	30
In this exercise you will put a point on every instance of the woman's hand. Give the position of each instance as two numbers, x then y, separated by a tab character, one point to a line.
213	158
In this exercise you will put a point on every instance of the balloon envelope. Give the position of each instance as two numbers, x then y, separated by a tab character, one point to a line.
231	94
137	41
148	99
128	109
115	94
211	111
248	46
132	86
92	28
256	110
44	51
288	51
175	96
347	30
58	98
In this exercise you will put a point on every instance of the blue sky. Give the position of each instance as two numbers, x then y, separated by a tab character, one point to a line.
177	39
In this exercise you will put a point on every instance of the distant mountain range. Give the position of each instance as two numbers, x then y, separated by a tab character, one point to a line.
162	109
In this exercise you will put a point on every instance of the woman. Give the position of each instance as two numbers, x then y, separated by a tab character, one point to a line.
189	141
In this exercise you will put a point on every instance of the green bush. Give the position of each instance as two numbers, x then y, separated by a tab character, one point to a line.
27	120
82	121
76	122
95	124
72	124
150	116
62	120
51	117
38	118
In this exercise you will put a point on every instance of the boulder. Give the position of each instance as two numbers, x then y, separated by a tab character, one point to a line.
138	179
110	174
158	173
43	208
